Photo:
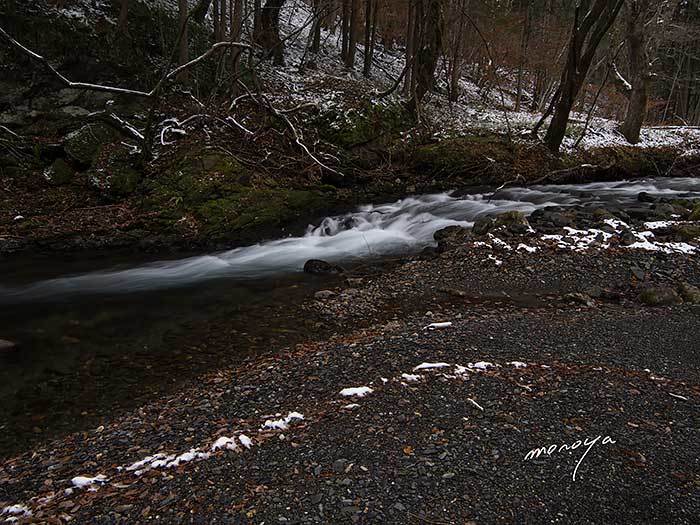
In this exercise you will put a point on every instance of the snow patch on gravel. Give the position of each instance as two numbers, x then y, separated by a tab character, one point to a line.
82	482
283	424
410	377
428	366
358	391
225	443
437	326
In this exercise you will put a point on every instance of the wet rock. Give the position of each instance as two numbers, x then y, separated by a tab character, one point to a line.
514	221
322	295
689	293
319	267
483	225
645	197
452	235
659	296
627	238
663	210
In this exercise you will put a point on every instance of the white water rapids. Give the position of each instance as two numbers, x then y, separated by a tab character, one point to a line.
404	226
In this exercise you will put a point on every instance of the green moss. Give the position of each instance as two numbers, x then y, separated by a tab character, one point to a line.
249	208
372	122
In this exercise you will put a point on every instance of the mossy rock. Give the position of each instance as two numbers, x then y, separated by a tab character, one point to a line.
695	214
113	173
659	296
59	173
250	208
689	293
84	144
374	122
687	232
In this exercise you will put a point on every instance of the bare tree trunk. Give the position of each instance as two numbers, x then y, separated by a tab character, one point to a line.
236	10
257	8
319	7
184	41
270	31
353	33
524	41
427	52
639	70
410	45
123	16
217	23
345	30
586	35
370	35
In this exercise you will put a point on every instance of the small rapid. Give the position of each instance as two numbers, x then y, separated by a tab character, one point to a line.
401	227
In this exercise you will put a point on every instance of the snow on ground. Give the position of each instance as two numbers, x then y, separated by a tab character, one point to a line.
283	423
437	326
322	79
88	482
359	391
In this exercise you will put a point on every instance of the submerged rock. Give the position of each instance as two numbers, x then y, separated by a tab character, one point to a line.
319	267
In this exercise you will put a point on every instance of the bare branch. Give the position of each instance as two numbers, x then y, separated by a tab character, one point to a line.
75	85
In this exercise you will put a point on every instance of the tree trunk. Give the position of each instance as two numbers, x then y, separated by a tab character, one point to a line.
353	33
123	16
427	52
184	39
257	8
410	45
319	7
524	41
586	35
345	30
270	31
236	10
370	34
639	71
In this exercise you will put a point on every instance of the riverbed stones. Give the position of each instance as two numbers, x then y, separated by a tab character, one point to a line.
319	267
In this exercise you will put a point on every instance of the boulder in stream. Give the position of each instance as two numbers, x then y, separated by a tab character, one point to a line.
319	267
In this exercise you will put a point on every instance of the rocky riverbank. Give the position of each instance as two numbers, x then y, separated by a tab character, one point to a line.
439	375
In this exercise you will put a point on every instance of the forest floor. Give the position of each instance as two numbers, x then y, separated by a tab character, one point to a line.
551	345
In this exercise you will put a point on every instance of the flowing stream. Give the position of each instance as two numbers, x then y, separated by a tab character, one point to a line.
98	334
373	231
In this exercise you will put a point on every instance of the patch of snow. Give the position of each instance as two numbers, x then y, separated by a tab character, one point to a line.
245	441
224	443
358	391
427	366
82	482
351	406
411	377
529	249
283	424
17	510
517	364
481	365
437	326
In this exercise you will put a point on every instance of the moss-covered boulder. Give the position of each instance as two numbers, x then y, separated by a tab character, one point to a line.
659	296
59	173
374	122
689	293
114	173
84	144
